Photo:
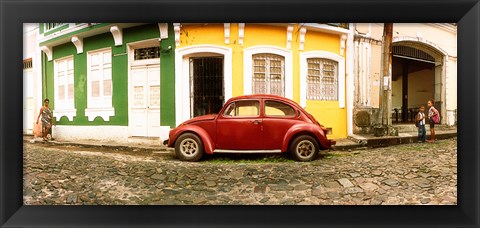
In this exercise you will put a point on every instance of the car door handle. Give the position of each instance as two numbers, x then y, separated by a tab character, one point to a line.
256	122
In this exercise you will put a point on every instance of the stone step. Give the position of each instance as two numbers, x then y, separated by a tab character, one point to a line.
411	128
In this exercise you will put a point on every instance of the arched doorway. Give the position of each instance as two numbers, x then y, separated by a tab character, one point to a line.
418	75
203	80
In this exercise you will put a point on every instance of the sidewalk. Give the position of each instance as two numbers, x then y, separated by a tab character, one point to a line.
155	145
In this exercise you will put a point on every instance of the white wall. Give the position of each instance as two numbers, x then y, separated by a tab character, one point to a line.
441	36
32	87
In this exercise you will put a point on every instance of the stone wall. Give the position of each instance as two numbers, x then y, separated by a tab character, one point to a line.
364	119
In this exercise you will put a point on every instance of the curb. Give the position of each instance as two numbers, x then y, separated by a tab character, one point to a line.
357	143
114	147
391	141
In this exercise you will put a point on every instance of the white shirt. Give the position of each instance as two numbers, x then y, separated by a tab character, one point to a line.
421	122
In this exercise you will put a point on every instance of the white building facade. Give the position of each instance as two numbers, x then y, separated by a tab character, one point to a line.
424	67
32	77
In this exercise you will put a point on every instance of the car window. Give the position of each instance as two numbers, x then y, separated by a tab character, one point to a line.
243	108
275	108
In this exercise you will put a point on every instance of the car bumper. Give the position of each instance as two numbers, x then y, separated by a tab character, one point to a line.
165	142
332	142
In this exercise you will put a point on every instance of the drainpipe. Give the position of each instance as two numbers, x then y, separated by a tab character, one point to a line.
350	79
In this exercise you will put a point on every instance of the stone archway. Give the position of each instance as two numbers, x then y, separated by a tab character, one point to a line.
427	75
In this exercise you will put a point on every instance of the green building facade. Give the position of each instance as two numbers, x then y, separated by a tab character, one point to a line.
109	81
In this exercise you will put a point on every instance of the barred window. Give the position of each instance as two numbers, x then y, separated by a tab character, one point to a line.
49	26
268	74
27	63
322	79
147	53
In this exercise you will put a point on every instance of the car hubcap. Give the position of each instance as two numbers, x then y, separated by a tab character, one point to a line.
305	149
189	147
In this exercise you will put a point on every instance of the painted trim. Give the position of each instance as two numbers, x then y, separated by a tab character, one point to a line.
182	76
48	51
163	28
247	67
117	35
176	29
105	113
69	113
67	33
226	28
289	36
303	31
303	74
342	44
241	33
78	42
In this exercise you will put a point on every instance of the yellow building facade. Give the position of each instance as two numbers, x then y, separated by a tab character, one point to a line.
303	62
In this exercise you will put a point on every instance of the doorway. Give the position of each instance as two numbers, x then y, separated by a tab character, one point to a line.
415	78
28	118
144	119
206	85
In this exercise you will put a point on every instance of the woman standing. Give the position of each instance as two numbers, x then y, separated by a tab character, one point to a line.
431	112
47	118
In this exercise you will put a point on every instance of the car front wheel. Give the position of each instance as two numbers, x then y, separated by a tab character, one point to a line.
304	148
189	147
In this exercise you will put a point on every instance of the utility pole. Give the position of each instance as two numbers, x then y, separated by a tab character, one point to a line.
386	80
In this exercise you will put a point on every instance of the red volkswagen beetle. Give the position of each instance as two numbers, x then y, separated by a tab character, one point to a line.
251	124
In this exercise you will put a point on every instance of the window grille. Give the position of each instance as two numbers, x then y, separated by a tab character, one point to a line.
49	26
322	79
27	64
268	74
147	53
412	53
340	25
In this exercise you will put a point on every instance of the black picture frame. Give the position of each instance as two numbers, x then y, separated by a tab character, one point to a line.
14	13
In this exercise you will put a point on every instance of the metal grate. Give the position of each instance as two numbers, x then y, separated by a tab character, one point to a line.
147	53
340	25
268	74
206	80
49	26
27	64
322	79
412	53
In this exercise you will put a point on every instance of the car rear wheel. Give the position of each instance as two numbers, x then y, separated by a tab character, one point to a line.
304	148
189	147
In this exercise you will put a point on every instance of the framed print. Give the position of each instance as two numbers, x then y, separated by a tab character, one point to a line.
206	80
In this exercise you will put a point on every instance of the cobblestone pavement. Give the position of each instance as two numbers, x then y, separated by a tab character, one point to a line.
405	174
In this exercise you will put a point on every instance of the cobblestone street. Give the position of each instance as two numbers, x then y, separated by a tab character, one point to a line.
407	174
